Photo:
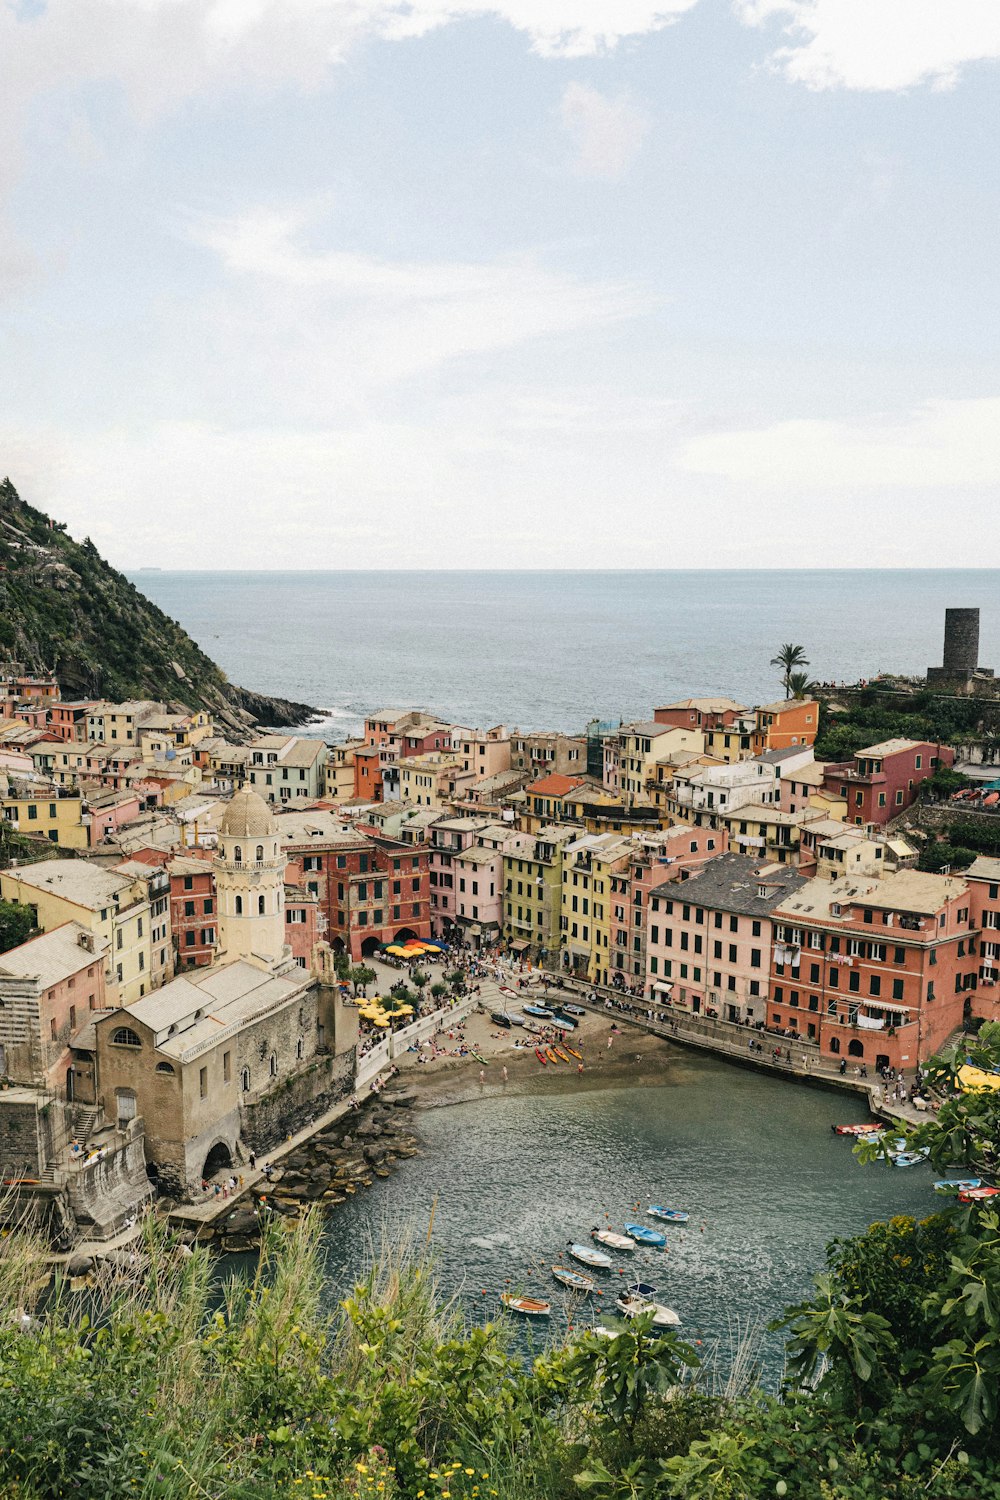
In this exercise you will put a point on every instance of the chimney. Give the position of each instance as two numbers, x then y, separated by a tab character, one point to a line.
86	941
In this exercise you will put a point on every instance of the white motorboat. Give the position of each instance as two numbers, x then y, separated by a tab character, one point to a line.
632	1306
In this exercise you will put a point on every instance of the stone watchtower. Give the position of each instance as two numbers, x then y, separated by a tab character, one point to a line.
250	884
960	671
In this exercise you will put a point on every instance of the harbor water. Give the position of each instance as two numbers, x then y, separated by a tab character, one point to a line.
511	1179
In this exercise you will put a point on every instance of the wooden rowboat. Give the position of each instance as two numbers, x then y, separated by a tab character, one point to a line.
529	1307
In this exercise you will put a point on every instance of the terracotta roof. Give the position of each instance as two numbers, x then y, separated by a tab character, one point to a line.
555	785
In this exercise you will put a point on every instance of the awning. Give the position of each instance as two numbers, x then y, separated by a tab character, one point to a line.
662	984
890	1005
519	947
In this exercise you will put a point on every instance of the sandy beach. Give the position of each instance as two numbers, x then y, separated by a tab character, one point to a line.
449	1078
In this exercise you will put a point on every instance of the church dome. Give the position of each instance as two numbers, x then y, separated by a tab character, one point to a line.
248	817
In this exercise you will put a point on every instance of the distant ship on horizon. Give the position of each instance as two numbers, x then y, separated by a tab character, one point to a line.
150	570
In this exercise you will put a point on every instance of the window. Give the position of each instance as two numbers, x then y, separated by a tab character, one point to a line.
260	906
245	1080
259	853
164	1067
874	984
189	908
188	886
227	1070
273	1065
239	906
209	906
189	939
300	1048
238	855
202	1082
124	1036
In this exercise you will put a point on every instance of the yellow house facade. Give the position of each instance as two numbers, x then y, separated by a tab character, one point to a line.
588	866
433	780
57	817
532	880
112	906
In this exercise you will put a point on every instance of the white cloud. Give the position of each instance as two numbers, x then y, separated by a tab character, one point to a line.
880	44
607	133
942	444
342	325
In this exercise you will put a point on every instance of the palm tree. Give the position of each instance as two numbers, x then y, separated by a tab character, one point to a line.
788	658
799	685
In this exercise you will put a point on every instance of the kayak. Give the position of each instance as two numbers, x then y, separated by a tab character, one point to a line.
561	1055
552	1057
645	1236
541	1057
668	1215
573	1053
612	1239
531	1307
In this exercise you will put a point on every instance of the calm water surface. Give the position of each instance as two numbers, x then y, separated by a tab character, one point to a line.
552	650
751	1158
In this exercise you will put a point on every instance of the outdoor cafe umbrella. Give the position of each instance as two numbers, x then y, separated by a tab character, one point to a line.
396	951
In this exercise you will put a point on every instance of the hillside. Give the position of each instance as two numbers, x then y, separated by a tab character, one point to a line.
64	609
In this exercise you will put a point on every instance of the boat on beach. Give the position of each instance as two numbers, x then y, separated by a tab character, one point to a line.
501	1018
644	1236
561	1055
573	1053
634	1307
612	1239
551	1055
573	1010
575	1280
668	1215
528	1307
596	1259
542	1012
541	1057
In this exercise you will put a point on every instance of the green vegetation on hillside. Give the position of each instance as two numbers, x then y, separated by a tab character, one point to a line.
873	716
156	1388
66	610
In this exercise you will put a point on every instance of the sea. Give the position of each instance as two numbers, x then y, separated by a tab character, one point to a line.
553	650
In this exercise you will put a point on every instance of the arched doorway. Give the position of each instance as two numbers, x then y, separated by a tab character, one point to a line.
338	945
217	1159
856	1049
405	935
881	1061
370	947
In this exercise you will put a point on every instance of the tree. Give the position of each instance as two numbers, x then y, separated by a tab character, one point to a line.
17	923
788	659
420	978
800	685
361	976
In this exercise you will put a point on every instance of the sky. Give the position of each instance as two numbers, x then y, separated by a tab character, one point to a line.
503	283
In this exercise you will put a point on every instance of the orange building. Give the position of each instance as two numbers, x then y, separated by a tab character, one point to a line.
779	726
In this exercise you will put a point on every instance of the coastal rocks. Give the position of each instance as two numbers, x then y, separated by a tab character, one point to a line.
350	1155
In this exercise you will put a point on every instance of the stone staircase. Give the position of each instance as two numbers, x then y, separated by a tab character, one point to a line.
82	1123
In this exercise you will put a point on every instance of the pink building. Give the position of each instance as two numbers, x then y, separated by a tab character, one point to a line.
110	812
884	779
670	854
448	838
709	940
302	922
485	751
479	882
48	988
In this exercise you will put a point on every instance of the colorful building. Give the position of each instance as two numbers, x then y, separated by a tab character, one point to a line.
884	780
532	881
49	986
793	721
879	972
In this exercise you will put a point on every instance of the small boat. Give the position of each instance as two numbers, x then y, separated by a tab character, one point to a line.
957	1184
856	1129
573	1010
596	1259
612	1239
575	1280
978	1194
551	1055
541	1011
573	1053
561	1055
644	1236
514	1017
564	1019
641	1289
668	1215
477	1057
541	1057
908	1158
634	1307
530	1307
500	1018
559	1023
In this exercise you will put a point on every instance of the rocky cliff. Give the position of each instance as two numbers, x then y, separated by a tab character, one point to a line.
64	609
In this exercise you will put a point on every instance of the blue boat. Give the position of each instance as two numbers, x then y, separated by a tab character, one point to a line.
957	1184
644	1236
537	1010
908	1158
668	1215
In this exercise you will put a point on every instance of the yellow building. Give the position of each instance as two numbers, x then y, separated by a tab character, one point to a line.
433	779
756	829
118	723
114	907
54	815
532	882
639	747
732	742
588	866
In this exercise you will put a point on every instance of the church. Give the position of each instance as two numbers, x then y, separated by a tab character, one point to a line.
233	1057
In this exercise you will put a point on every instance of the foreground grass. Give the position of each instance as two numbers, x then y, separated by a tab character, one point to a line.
158	1389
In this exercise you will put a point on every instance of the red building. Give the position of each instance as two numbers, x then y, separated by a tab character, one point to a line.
877	972
370	890
368	772
192	911
68	721
883	780
699	713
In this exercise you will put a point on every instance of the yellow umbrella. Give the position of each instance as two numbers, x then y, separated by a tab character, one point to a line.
380	1020
403	1010
975	1078
396	950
